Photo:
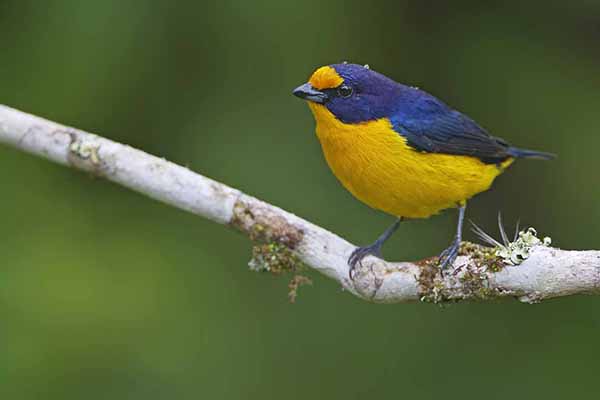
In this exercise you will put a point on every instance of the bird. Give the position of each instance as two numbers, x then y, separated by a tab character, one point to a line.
401	150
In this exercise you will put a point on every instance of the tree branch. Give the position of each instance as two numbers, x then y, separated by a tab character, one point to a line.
548	272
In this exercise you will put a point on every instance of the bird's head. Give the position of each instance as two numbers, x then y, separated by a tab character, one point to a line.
352	93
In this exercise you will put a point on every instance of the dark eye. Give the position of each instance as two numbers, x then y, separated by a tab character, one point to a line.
345	91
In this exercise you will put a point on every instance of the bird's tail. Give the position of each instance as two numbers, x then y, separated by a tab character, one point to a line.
523	153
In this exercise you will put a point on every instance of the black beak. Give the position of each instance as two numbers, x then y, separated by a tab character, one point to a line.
307	92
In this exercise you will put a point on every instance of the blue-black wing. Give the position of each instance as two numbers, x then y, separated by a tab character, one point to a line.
431	126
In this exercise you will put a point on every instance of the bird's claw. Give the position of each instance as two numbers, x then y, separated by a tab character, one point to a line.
449	255
359	253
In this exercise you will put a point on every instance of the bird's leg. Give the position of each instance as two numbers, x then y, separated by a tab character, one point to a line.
449	255
374	249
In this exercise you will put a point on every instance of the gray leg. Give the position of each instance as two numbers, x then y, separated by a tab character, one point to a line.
449	255
373	249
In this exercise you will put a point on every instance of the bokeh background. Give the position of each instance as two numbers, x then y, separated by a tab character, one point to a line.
105	294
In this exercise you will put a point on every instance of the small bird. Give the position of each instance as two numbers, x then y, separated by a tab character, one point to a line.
401	150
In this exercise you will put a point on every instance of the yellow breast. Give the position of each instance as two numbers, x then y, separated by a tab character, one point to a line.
378	167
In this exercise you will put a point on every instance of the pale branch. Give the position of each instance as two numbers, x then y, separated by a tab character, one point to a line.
547	273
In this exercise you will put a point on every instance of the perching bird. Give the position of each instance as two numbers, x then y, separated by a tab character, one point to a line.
401	150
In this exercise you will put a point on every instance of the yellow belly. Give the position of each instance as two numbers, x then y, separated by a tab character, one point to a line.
378	167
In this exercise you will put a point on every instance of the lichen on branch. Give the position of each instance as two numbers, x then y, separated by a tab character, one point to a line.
285	241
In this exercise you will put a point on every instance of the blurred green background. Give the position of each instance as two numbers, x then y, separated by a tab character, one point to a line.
105	294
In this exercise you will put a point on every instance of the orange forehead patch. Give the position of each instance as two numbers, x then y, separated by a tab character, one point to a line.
325	78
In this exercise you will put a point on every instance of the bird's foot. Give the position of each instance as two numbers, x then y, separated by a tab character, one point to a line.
361	252
449	255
